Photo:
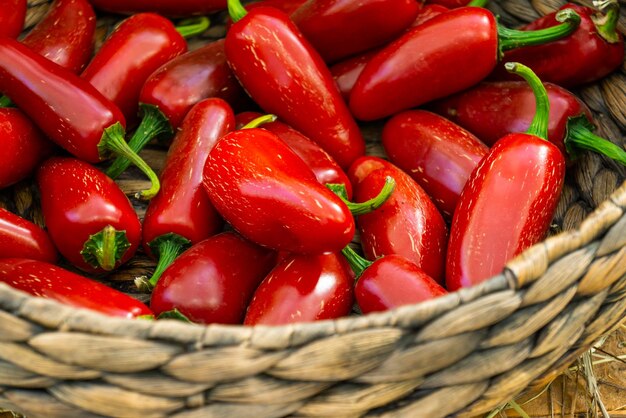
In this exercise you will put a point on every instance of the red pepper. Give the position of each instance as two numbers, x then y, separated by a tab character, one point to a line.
592	51
68	109
214	280
325	168
427	12
453	4
427	63
268	194
189	78
340	28
133	51
287	6
24	239
389	282
65	35
170	8
286	77
46	280
24	146
181	213
509	200
89	218
493	109
407	224
303	288
438	154
12	15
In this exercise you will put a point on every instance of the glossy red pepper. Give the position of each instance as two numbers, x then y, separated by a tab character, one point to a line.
286	77
24	146
170	8
407	224
593	51
509	200
46	280
426	63
24	239
323	165
438	154
181	214
287	6
12	16
390	281
303	288
68	109
268	194
493	109
427	12
214	280
133	51
65	34
453	4
340	28
189	78
89	218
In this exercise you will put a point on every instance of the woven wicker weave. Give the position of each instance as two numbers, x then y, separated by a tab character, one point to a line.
462	354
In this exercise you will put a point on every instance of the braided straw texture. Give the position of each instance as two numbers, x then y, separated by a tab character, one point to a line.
462	354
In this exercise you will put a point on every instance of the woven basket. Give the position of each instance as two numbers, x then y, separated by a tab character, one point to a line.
463	354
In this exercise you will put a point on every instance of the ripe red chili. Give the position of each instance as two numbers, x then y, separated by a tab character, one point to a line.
213	281
493	109
286	77
303	288
24	239
181	213
326	169
268	194
426	63
340	28
65	34
89	218
185	80
46	280
69	110
438	154
170	8
12	15
509	200
407	224
592	51
24	146
390	281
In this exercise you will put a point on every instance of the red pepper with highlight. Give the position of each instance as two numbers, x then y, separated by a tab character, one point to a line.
46	280
285	76
23	239
303	288
89	218
509	200
12	16
214	280
408	223
69	110
181	214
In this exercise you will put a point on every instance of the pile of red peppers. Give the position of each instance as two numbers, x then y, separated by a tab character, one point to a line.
268	208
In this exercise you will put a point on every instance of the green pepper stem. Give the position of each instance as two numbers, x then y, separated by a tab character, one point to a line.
105	248
236	10
153	124
357	263
166	247
261	120
512	38
113	141
191	27
369	205
607	24
580	136
539	124
5	101
478	3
